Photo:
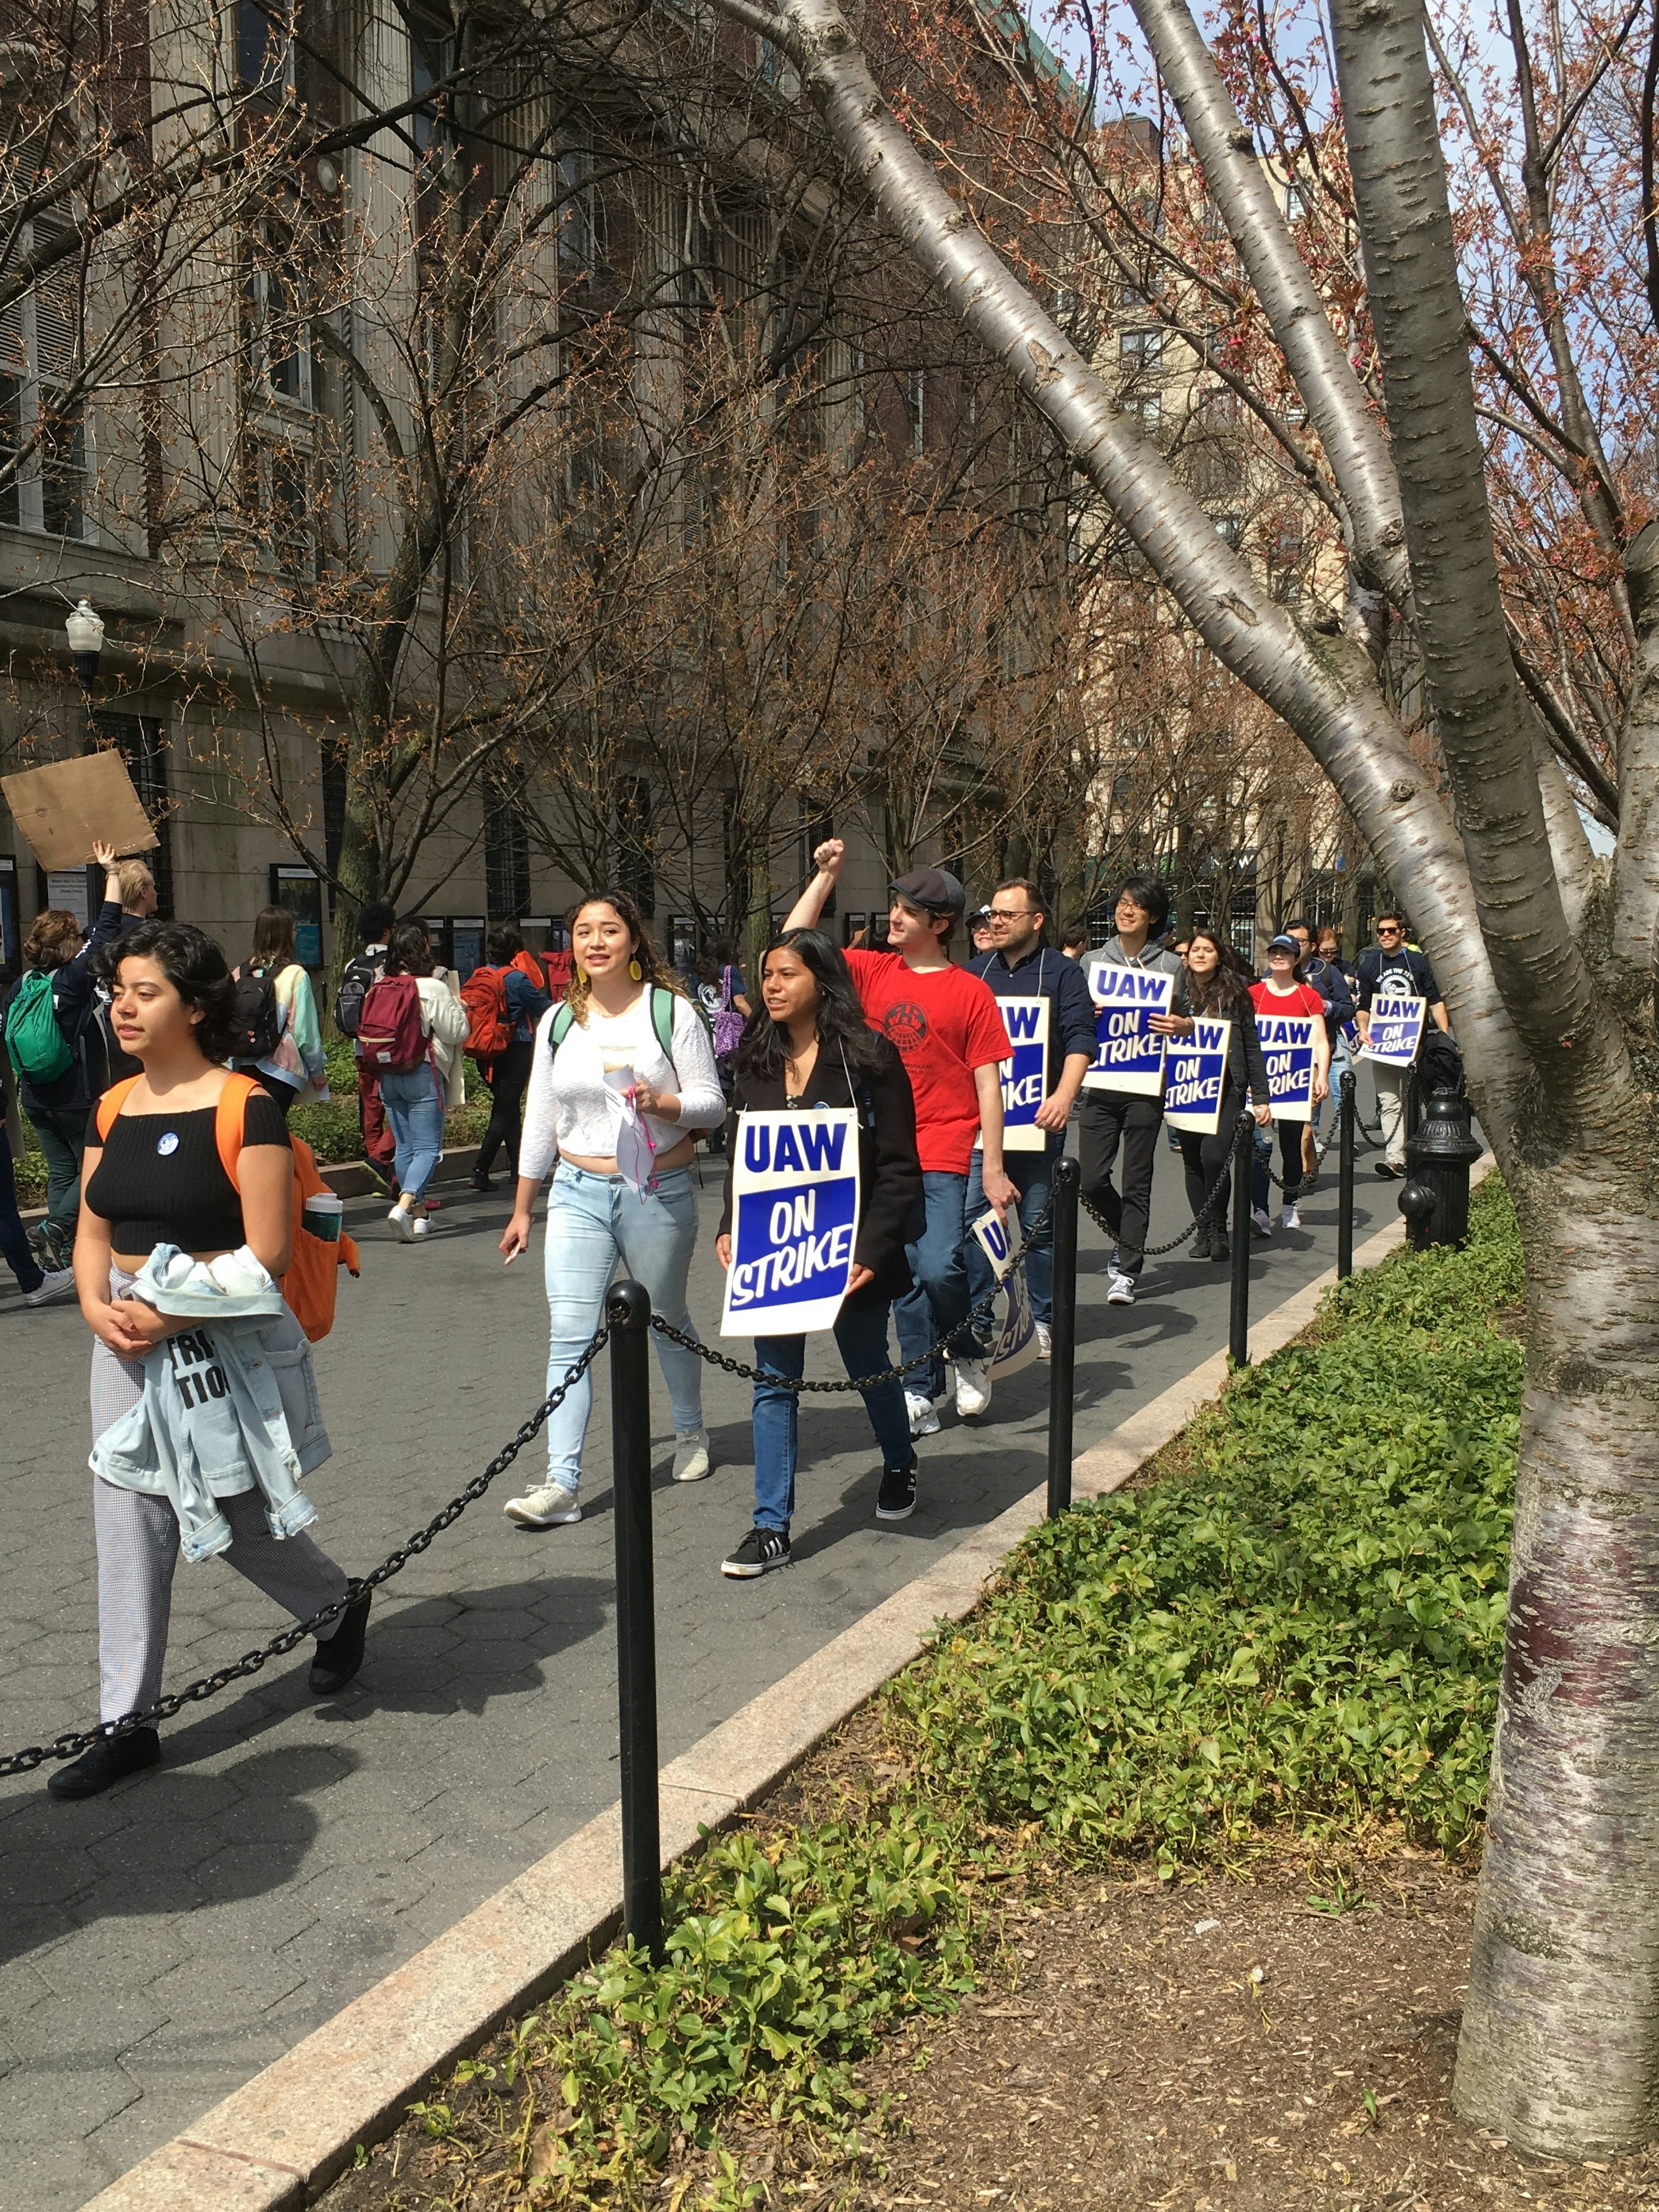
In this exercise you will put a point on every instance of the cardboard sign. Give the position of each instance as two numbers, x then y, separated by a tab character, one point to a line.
1025	1077
1197	1076
1287	1046
995	1242
1396	1031
1015	1346
794	1221
63	807
1129	1055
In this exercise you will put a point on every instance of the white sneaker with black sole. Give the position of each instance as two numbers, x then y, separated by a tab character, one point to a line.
973	1387
924	1421
761	1550
552	1506
1120	1289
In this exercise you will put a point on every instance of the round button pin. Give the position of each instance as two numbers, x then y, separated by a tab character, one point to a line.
167	1144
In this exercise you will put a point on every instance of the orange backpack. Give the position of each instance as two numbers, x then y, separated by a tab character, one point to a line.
314	1264
489	1032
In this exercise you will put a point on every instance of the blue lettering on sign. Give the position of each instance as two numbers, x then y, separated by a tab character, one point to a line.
821	1145
792	1245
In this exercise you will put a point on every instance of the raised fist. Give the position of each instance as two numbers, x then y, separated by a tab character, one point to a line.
829	856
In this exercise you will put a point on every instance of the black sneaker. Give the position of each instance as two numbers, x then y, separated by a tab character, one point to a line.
1383	1168
897	1498
339	1659
761	1550
109	1760
480	1181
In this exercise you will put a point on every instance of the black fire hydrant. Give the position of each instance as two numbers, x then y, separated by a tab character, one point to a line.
1438	1157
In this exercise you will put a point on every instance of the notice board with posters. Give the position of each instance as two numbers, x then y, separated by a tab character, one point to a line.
66	806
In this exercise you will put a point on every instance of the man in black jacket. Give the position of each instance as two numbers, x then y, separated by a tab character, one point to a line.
1393	969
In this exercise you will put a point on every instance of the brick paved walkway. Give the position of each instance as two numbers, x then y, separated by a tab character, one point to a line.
160	1944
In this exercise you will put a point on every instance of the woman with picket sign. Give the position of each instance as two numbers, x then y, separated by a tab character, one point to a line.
504	1000
1282	991
204	1412
411	1032
623	1078
279	1038
814	1049
46	1024
1217	991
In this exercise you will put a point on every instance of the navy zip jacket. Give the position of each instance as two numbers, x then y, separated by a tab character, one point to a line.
1046	974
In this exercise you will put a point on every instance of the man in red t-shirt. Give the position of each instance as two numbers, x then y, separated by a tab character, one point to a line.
1282	990
950	1033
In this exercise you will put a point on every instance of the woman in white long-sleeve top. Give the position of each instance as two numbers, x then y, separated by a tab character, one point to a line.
625	1016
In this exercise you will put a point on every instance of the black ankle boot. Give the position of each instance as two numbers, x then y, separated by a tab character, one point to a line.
339	1659
111	1759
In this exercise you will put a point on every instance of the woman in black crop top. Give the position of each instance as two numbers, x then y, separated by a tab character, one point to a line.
157	1178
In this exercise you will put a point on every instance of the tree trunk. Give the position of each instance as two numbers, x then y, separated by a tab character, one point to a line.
1560	2048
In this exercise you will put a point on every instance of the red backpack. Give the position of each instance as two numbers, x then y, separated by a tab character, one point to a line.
483	995
390	1038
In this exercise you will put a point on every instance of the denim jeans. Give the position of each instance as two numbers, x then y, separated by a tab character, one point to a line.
936	1305
1032	1175
861	1340
594	1221
14	1244
1341	1062
415	1107
62	1131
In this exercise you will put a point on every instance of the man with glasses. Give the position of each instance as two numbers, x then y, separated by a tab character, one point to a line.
1020	965
1393	969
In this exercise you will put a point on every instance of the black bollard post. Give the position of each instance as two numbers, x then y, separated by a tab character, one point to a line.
628	1308
1062	1336
1239	1325
1347	1110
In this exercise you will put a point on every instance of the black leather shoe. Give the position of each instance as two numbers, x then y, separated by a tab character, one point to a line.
480	1181
1383	1168
339	1660
109	1760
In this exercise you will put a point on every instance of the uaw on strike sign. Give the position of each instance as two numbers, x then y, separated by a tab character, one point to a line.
1287	1046
1198	1075
1025	1077
1128	1052
795	1220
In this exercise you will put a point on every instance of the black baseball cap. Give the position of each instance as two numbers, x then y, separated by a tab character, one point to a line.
1283	943
935	889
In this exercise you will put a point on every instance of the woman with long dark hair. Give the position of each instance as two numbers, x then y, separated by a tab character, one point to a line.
812	1047
1217	990
296	1067
623	1076
158	1178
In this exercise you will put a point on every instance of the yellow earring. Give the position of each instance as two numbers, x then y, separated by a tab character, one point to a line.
582	972
636	970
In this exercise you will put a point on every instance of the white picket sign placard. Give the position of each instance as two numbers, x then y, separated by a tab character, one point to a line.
795	1220
1396	1031
1025	1077
1128	1054
1287	1046
1198	1075
993	1240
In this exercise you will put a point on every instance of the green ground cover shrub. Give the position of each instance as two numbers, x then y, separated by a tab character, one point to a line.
1296	1630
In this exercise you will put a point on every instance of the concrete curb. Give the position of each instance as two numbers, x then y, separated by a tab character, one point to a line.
283	2136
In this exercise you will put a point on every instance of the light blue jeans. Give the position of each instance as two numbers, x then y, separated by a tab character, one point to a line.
592	1222
1032	1175
415	1107
936	1305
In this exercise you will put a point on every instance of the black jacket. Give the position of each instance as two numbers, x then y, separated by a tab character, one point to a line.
88	1074
890	1173
1408	960
1246	1062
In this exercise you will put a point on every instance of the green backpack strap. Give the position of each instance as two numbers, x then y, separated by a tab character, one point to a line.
662	1021
560	1027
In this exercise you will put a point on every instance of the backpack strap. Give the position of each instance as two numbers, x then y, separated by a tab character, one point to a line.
662	1020
229	1120
111	1104
564	1021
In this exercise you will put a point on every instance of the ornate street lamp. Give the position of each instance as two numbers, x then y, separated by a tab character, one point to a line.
85	631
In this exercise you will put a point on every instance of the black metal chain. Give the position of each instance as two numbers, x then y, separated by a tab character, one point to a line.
974	1315
1320	1152
1201	1220
208	1686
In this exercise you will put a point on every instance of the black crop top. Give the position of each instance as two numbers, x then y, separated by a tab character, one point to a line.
161	1180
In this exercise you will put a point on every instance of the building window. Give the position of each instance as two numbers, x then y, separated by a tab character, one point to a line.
43	435
331	768
1297	204
1146	407
581	214
506	864
915	402
1229	530
264	49
139	741
1139	349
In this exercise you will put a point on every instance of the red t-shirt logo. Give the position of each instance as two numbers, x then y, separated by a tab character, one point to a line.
906	1025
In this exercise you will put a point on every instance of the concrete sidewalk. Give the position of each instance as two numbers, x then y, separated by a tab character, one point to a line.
164	1942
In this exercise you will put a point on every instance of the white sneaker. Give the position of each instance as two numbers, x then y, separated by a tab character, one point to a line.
420	1226
1120	1290
402	1225
58	1285
550	1507
924	1421
1260	1222
692	1459
1045	1339
1290	1219
973	1387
